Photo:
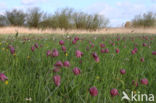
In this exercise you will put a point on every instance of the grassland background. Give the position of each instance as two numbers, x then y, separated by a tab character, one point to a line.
32	77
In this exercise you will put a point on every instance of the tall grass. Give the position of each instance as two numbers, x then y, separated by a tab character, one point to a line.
30	73
28	31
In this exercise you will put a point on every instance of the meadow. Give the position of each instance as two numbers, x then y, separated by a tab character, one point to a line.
76	68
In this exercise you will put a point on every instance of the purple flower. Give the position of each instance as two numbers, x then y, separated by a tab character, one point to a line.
106	50
113	44
102	51
114	92
61	42
117	50
122	71
135	49
78	53
63	48
58	64
93	91
56	69
102	45
32	48
76	38
144	81
144	44
12	50
135	83
48	53
57	80
97	59
66	64
36	45
154	53
142	59
55	53
92	45
76	71
133	52
95	56
74	42
3	77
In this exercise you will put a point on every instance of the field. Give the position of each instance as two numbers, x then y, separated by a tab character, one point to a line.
26	31
76	68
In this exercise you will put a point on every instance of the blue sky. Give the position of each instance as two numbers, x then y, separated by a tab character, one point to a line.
118	11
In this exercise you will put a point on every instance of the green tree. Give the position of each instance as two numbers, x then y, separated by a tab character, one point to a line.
145	20
34	17
16	17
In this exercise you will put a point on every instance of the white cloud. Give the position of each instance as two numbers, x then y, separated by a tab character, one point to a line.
121	11
31	2
3	7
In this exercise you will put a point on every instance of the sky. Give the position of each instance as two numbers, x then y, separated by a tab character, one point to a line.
118	11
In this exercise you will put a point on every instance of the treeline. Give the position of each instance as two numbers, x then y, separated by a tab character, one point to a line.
145	20
68	18
62	18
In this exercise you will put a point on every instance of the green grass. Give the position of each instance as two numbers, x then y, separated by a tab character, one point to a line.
33	77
